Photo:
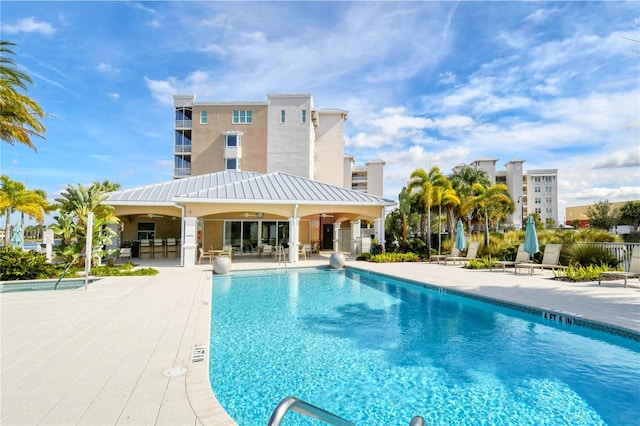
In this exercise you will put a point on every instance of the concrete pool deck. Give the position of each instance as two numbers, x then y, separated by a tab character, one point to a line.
115	354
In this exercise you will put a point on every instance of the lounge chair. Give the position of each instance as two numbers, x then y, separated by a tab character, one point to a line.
521	257
634	269
266	249
472	253
550	260
227	250
438	257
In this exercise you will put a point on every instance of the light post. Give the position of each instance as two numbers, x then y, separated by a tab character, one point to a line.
520	202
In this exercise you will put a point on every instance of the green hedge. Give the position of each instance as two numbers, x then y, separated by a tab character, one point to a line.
18	264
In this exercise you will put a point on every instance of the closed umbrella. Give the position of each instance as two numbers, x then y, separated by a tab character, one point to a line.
461	243
16	236
530	237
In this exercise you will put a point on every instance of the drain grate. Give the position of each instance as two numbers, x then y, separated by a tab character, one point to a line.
198	352
176	371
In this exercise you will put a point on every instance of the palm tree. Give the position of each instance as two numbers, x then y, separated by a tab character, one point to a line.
74	207
446	196
424	184
19	114
14	196
404	201
486	201
462	180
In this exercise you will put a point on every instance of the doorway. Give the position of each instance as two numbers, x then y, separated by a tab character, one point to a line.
327	236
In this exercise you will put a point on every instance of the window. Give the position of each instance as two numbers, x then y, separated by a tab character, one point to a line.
146	230
203	117
232	164
538	200
242	117
538	210
231	140
536	179
536	189
283	114
549	210
303	116
548	200
549	178
548	189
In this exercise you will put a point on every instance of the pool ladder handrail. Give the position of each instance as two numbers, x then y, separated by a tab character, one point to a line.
75	257
310	410
304	408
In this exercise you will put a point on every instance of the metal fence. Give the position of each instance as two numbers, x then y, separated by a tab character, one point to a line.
621	251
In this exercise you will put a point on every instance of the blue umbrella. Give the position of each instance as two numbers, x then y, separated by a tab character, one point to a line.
530	237
16	236
461	243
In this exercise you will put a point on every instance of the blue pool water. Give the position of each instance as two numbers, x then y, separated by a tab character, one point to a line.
42	285
378	351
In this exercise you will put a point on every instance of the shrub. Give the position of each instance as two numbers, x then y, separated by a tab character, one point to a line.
586	254
483	263
17	264
364	256
124	270
376	247
395	257
582	273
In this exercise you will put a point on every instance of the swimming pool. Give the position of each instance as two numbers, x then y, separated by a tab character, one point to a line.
42	285
378	351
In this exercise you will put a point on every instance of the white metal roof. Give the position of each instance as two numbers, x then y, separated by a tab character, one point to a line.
237	186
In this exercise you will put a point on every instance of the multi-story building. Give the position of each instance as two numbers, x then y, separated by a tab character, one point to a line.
286	133
533	191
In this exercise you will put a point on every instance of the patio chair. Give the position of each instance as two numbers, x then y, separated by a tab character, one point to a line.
472	253
303	249
204	255
145	249
266	250
521	257
550	260
172	247
227	250
158	248
633	272
125	254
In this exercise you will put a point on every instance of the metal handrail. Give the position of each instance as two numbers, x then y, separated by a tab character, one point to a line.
304	408
75	257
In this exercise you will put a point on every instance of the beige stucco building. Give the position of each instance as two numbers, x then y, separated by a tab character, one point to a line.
286	133
533	191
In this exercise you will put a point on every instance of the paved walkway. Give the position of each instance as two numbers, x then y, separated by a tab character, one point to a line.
126	350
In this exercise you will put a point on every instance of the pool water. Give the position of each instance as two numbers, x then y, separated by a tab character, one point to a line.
378	351
42	285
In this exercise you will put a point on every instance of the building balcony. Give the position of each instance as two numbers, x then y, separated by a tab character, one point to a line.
182	124
181	149
181	172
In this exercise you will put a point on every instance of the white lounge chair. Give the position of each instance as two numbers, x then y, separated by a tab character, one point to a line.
472	253
521	257
550	260
438	257
633	272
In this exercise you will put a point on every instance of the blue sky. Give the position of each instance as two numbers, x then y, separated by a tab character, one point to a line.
426	83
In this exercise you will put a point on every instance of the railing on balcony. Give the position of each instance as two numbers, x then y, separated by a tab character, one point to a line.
181	149
182	124
182	171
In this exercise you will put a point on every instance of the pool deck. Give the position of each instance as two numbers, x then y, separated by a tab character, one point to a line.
114	354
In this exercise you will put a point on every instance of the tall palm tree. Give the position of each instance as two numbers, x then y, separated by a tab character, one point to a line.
486	201
14	196
425	184
445	196
404	200
20	116
462	180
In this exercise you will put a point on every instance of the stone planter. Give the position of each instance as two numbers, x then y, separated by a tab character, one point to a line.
221	265
336	261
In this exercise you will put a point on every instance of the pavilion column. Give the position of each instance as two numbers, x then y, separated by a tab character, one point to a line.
294	237
190	243
356	237
378	227
336	232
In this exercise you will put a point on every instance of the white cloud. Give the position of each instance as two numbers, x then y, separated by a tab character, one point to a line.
114	95
29	25
630	158
107	68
